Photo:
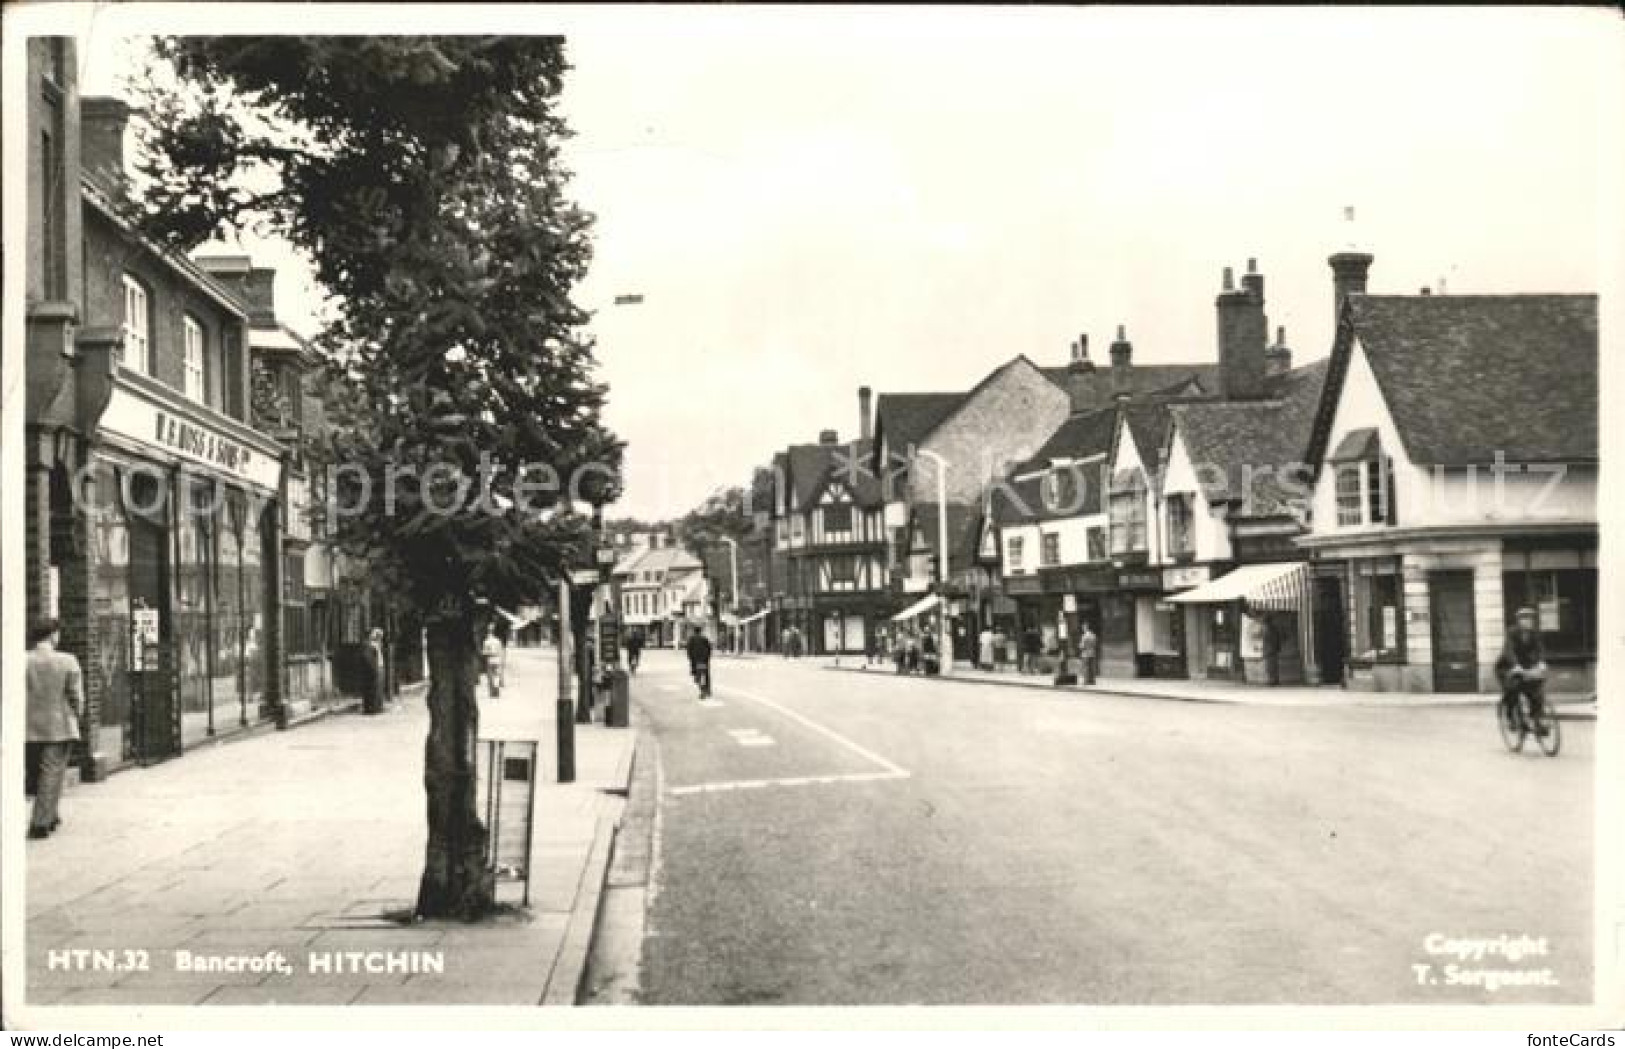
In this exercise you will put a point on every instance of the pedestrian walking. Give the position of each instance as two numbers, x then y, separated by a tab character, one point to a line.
373	689
56	699
984	646
1089	650
634	650
1032	646
928	649
494	657
699	661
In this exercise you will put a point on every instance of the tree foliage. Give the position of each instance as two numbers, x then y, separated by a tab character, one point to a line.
422	179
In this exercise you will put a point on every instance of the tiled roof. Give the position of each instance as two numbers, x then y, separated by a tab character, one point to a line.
1241	449
1148	423
1024	501
811	466
1467	376
1357	446
908	418
1096	388
1078	438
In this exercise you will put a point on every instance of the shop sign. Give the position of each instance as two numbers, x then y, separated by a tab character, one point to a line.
144	639
1183	577
1140	580
1023	584
1069	603
129	415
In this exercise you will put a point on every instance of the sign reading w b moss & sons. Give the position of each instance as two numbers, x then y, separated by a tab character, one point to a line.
169	428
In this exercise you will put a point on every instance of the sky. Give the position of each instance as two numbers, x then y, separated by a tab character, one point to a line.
811	201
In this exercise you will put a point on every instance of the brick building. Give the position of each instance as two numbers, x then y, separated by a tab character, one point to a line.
154	506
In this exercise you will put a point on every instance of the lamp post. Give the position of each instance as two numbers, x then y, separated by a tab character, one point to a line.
733	589
945	653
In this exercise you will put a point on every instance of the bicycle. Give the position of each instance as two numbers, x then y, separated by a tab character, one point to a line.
1528	714
702	678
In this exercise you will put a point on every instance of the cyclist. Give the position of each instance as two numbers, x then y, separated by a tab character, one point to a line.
1522	665
634	650
699	661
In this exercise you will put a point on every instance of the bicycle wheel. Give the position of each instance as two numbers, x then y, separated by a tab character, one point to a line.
1548	730
1511	722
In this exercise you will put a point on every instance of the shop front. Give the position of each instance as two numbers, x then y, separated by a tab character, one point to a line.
1248	624
1159	626
1429	610
183	561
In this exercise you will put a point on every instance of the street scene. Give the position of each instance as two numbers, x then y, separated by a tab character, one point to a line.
985	511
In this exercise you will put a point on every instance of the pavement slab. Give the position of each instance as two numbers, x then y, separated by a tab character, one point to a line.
300	843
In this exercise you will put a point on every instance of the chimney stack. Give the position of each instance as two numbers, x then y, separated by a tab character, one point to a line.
1278	359
1349	269
865	418
101	138
1243	333
1080	356
829	437
1122	359
255	285
1253	281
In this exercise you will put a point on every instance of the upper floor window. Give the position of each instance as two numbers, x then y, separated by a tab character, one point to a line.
1127	520
1097	544
137	352
1050	552
838	518
196	377
1013	552
1181	533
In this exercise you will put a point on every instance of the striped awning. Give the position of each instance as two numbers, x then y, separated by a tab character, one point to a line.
753	618
1271	588
924	604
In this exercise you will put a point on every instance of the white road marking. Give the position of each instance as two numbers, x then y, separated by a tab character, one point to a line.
890	769
790	781
749	737
856	748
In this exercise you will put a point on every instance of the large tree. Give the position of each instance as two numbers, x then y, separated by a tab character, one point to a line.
422	179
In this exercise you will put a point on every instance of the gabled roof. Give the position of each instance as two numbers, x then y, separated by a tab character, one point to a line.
1468	376
1148	423
909	418
1079	437
1254	451
813	467
667	559
1096	387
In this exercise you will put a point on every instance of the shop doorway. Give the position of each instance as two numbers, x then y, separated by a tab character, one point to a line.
1331	633
1455	639
155	729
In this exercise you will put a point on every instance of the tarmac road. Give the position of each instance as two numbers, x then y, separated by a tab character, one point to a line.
832	838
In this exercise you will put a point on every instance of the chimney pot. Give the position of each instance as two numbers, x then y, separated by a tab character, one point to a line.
1229	279
102	123
1120	335
1426	290
865	416
829	437
1122	356
1080	355
1252	265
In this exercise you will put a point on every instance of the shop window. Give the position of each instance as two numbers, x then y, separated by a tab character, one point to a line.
1379	619
1164	632
1565	604
295	619
136	353
1050	551
1013	555
195	384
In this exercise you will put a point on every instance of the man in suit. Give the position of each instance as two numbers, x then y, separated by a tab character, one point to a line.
56	697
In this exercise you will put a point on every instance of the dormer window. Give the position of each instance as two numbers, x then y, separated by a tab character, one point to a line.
1364	479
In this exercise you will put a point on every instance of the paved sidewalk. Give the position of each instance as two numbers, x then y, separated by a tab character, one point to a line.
306	842
1217	691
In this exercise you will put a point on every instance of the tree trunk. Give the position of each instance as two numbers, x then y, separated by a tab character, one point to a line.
456	882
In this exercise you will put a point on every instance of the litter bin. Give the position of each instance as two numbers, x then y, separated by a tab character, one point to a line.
618	714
